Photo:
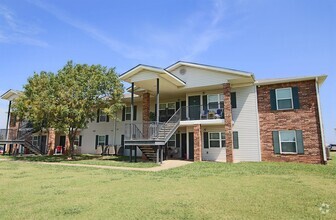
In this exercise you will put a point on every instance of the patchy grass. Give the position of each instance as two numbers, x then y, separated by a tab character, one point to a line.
202	190
118	161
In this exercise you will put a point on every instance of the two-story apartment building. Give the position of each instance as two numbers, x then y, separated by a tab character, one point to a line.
200	112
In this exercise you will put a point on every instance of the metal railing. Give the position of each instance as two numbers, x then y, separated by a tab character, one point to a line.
152	131
201	112
21	135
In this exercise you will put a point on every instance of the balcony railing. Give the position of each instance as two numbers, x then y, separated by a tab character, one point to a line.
200	112
14	134
152	131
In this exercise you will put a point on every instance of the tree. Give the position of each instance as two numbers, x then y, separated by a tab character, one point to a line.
71	98
36	104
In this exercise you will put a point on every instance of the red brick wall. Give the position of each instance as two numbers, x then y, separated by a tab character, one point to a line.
228	122
197	143
306	119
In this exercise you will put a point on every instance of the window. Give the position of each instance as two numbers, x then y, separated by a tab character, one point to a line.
35	140
215	101
172	141
287	142
284	99
128	113
77	141
101	140
216	139
166	110
102	116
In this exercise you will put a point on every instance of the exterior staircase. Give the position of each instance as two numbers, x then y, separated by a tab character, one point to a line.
22	135
149	136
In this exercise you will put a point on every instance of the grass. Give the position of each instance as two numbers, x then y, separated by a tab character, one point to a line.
202	190
119	161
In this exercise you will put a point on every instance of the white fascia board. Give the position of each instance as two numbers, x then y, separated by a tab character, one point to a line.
175	80
218	69
320	79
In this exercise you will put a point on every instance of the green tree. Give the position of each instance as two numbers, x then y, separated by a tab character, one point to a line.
71	98
35	104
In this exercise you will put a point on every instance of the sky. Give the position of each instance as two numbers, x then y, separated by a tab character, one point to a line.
270	38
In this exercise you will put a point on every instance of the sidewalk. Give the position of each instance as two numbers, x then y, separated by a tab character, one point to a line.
167	164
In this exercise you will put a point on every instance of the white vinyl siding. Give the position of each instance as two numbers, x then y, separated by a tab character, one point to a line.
245	118
196	77
214	153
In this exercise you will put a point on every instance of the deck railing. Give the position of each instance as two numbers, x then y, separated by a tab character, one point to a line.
142	131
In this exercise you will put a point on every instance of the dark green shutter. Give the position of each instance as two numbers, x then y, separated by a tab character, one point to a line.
273	99
276	144
295	95
134	113
80	140
98	113
299	142
205	103
122	141
107	118
233	100
178	140
106	139
123	113
206	140
177	106
96	142
39	141
235	140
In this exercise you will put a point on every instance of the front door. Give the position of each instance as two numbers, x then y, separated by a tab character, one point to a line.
184	145
43	144
191	145
194	107
62	143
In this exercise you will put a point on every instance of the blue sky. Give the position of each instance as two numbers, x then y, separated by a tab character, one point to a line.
273	38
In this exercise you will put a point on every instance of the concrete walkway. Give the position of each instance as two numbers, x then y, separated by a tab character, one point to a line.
166	165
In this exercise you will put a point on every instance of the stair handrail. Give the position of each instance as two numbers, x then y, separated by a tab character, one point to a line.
174	119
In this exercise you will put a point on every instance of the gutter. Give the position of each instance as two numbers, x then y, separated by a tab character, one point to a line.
320	118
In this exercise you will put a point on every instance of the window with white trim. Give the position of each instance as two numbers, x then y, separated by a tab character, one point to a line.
101	140
76	141
102	116
216	139
215	101
172	141
128	113
35	140
287	142
284	99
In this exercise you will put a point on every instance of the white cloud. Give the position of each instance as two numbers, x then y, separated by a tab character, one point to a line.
14	30
134	52
194	35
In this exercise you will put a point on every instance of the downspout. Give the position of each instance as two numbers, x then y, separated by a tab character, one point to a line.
258	122
132	109
115	134
320	118
157	99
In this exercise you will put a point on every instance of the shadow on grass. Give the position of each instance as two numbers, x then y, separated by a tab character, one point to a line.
63	158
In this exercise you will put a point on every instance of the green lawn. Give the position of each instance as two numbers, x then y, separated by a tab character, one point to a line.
200	190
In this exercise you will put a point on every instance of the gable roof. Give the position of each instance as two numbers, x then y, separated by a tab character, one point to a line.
10	94
166	74
209	67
